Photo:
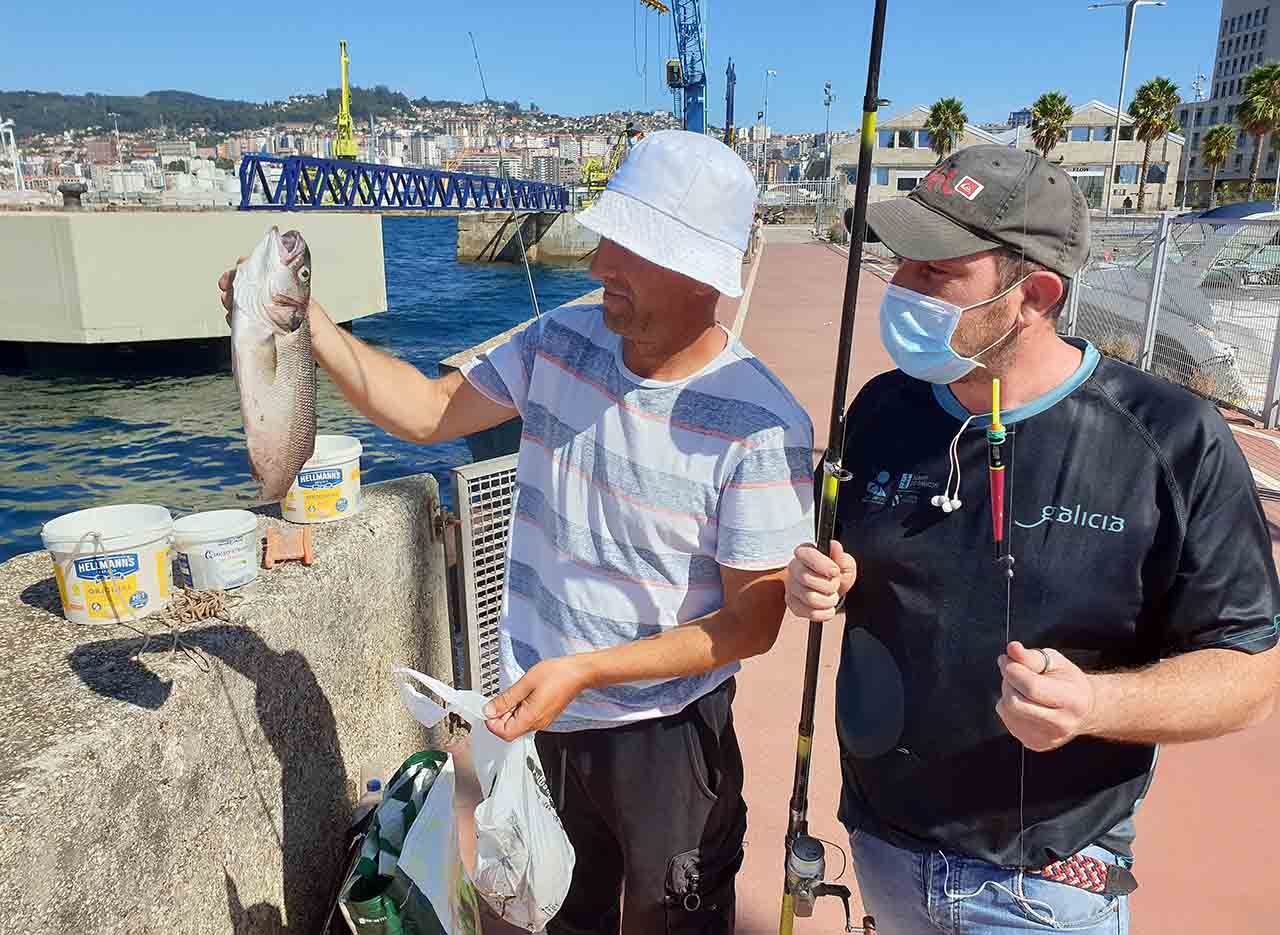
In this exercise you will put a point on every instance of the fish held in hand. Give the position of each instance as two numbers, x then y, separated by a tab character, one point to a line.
271	358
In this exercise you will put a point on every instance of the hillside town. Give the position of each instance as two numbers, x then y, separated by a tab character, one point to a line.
196	165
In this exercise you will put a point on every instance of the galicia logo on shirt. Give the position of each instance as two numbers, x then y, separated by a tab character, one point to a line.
1077	516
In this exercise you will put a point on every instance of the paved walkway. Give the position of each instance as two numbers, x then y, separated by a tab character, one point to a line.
1204	832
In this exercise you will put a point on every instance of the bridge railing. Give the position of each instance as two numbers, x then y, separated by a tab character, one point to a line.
305	183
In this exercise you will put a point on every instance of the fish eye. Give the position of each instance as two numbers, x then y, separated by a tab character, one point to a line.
304	274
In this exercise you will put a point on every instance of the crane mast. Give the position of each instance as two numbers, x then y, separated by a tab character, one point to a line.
344	146
687	75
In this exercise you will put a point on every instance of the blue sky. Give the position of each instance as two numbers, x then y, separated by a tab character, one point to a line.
572	56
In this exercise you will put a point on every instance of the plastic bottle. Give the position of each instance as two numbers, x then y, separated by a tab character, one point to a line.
369	800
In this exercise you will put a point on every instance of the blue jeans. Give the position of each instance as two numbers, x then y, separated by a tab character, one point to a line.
913	893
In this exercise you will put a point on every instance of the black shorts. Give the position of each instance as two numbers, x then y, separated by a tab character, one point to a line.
656	808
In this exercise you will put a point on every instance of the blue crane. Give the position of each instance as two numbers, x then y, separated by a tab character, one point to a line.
687	75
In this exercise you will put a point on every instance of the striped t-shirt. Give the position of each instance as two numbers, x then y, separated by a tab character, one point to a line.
630	495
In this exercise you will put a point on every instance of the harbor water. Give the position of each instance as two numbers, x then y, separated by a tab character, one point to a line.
171	435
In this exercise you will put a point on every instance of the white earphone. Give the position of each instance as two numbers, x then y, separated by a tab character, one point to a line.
947	504
949	501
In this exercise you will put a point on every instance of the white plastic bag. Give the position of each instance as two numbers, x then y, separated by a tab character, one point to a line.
524	861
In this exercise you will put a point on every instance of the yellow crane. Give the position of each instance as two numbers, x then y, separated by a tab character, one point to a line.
595	173
344	147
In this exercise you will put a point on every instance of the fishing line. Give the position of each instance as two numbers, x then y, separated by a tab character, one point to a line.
510	194
635	41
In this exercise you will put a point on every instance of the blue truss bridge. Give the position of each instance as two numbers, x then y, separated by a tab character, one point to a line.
304	183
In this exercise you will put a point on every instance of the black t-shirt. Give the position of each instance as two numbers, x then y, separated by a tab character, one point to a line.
1137	535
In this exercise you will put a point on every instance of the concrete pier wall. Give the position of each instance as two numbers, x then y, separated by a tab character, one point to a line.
147	791
490	236
124	277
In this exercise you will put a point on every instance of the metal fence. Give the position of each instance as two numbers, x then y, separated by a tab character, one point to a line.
1193	301
818	201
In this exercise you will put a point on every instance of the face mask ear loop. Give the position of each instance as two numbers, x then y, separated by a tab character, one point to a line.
974	358
949	501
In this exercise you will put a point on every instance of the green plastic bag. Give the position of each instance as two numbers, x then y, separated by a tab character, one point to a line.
415	817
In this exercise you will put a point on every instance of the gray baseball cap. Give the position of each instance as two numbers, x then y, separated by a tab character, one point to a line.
984	197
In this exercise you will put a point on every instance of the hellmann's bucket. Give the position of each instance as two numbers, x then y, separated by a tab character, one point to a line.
328	486
111	562
217	550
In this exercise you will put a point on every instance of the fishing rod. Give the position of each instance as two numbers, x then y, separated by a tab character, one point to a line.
804	865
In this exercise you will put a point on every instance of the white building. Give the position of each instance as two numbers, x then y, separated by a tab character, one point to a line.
174	150
1243	43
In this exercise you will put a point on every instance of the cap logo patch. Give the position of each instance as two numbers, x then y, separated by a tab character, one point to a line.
969	187
939	180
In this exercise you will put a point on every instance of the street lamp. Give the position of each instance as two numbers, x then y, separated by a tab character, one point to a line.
828	97
116	118
1197	88
1129	9
764	157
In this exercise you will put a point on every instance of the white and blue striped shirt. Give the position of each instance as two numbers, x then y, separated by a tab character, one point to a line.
630	495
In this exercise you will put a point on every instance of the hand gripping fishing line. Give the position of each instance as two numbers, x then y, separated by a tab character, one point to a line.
804	866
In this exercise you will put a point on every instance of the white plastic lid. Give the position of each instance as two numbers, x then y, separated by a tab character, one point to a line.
215	524
334	449
122	526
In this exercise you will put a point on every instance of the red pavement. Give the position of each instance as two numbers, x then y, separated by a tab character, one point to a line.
1207	829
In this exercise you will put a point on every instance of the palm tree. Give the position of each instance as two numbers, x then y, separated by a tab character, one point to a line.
1050	115
1259	112
944	125
1152	113
1218	143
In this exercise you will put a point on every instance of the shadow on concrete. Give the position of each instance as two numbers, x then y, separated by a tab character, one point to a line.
296	719
43	595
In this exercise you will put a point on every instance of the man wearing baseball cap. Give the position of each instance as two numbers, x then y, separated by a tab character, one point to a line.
998	732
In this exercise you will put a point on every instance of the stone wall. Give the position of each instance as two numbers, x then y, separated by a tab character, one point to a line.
208	790
490	236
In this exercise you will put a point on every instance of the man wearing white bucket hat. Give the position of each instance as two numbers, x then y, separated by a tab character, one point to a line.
664	480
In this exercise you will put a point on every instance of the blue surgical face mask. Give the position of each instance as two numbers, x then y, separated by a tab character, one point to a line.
916	330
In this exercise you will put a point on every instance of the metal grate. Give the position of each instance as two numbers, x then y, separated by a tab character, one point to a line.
484	493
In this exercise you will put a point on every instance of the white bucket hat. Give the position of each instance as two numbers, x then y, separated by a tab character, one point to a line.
684	201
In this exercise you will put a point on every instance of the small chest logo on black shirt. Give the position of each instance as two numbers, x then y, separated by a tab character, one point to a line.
908	488
1077	515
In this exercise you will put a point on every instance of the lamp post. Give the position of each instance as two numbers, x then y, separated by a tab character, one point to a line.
764	116
1129	8
116	120
828	97
1197	88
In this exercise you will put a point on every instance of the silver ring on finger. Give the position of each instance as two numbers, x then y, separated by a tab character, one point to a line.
1047	661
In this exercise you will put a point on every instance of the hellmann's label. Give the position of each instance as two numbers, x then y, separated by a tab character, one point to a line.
107	586
323	494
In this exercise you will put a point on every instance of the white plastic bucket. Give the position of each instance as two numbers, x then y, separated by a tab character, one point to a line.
328	486
111	562
217	549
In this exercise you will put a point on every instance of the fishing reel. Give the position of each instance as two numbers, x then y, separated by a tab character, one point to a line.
806	867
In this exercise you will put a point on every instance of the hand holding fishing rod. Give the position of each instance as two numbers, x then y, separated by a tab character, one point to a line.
804	864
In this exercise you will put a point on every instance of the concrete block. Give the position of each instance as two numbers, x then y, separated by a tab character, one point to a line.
129	276
490	236
144	790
